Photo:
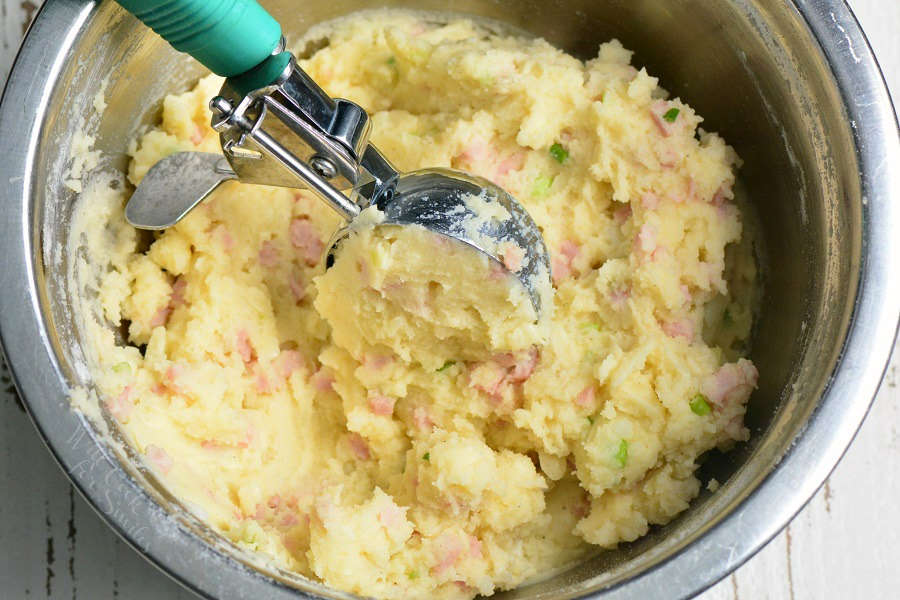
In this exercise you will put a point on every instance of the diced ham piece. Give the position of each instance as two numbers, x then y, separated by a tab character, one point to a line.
732	383
243	346
524	366
569	249
622	213
322	380
505	369
178	291
381	404
680	328
496	272
159	458
618	298
297	287
260	514
287	362
305	238
173	374
376	362
512	255
474	547
487	377
161	316
645	241
223	235
358	446
391	515
506	360
421	419
268	254
691	191
650	201
658	253
513	162
669	158
198	135
289	520
448	551
263	384
561	268
122	405
294	502
475	153
562	261
586	397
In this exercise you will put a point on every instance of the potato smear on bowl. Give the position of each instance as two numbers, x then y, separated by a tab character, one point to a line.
395	426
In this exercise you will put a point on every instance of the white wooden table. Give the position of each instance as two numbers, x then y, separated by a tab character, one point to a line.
844	545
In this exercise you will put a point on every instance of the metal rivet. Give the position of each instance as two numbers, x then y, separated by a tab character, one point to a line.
324	167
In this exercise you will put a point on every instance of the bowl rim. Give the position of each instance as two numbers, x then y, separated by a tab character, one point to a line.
182	555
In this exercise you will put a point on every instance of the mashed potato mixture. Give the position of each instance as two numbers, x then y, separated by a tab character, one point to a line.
365	429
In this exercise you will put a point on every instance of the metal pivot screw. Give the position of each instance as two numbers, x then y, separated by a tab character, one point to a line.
223	109
324	167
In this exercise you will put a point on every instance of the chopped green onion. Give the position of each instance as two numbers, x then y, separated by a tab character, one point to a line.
541	186
590	420
446	366
700	405
427	456
392	60
412	574
559	153
671	115
595	326
621	455
123	368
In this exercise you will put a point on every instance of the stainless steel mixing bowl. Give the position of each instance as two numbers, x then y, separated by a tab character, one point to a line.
792	85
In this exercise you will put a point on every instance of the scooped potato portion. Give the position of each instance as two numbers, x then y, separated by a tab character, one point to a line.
425	298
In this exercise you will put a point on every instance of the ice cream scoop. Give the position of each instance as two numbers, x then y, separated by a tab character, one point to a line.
278	127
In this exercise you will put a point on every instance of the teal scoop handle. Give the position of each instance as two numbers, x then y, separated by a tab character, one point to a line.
229	37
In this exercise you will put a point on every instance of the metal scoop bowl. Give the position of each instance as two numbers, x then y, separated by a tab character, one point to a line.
441	201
